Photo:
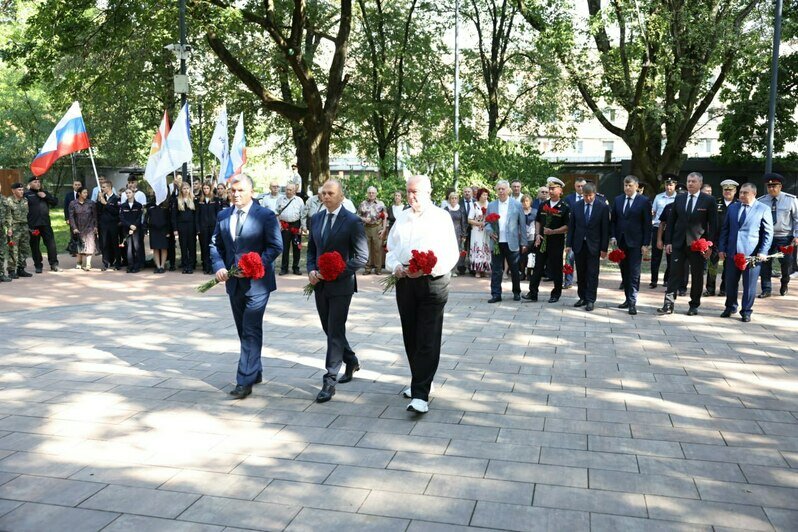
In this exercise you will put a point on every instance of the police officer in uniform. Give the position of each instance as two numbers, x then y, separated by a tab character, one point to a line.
729	187
784	210
549	252
19	232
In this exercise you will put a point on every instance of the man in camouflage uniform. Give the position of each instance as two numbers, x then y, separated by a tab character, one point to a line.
5	224
19	233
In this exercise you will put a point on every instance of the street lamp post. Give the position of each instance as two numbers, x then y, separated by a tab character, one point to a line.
456	93
774	78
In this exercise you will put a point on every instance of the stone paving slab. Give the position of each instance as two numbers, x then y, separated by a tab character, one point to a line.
544	417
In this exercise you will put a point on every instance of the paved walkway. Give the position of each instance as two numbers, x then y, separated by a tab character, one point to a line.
114	414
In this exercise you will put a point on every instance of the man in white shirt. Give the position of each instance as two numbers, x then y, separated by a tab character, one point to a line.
270	200
661	200
289	211
508	244
421	298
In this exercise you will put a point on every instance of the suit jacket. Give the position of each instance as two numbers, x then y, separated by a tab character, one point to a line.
516	223
593	233
683	229
754	237
261	234
348	238
69	197
633	228
466	208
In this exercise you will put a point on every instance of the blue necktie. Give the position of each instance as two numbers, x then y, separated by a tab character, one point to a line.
628	202
773	208
742	214
325	232
587	212
690	205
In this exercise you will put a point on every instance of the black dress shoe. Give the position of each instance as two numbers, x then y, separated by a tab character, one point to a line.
580	302
516	297
553	299
297	272
625	304
349	372
326	393
682	293
722	293
764	295
589	306
283	272
37	269
652	285
667	309
726	313
494	299
783	290
692	311
632	310
529	296
239	392
745	319
54	268
22	273
259	378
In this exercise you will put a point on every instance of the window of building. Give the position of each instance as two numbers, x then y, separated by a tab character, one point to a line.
579	146
609	145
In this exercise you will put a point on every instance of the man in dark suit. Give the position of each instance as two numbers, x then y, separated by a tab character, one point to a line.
334	228
588	237
631	232
69	197
246	227
466	204
693	216
747	229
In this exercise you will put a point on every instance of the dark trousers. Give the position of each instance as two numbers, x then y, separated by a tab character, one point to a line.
248	315
587	273
461	264
187	233
134	250
290	245
767	266
205	234
46	235
681	259
171	256
712	271
497	269
333	311
656	259
421	302
551	261
109	244
733	275
630	272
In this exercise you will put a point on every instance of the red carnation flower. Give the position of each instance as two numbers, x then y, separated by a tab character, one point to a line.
294	230
484	210
35	232
492	218
422	261
463	253
331	265
250	266
381	215
11	243
567	269
283	225
787	250
617	255
701	245
741	261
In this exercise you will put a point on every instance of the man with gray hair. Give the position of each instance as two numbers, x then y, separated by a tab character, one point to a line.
375	218
508	240
243	228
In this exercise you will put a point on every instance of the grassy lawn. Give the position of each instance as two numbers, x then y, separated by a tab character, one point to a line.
60	228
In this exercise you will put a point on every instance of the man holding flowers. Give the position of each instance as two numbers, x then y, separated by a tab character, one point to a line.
337	248
244	228
506	229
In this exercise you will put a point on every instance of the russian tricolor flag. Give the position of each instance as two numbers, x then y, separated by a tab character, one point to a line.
68	137
238	151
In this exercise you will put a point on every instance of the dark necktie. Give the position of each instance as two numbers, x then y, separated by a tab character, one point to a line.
742	214
587	212
690	205
325	232
239	222
773	208
628	203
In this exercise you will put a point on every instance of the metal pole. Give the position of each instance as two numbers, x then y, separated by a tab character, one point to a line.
456	93
184	96
773	87
202	151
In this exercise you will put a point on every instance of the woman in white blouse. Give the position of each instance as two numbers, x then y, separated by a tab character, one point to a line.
479	254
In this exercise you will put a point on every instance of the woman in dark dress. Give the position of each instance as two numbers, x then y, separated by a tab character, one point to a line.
207	209
159	225
460	222
184	225
83	222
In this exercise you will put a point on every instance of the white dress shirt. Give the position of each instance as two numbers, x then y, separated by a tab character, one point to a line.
234	219
271	201
504	207
431	229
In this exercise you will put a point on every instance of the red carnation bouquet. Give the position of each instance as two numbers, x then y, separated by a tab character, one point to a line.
331	265
787	250
701	245
10	243
35	232
250	266
283	225
741	261
616	256
567	269
493	220
550	213
381	215
420	261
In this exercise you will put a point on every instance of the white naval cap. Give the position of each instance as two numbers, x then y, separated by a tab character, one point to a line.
729	183
554	181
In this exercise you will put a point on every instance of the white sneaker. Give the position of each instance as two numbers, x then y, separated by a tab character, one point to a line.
409	395
418	405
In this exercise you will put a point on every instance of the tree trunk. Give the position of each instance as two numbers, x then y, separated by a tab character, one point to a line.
318	152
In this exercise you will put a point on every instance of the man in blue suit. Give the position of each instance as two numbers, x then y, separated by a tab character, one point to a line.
511	237
588	237
631	232
334	228
747	229
243	228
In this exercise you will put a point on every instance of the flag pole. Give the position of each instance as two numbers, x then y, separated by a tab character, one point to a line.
94	166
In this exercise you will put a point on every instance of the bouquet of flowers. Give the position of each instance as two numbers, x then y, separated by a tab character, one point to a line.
250	266
493	220
616	256
10	242
550	213
283	225
742	262
35	232
296	236
567	269
787	250
702	246
331	265
420	261
381	215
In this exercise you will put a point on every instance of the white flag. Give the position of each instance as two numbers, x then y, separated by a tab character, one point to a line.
220	145
238	152
177	148
157	181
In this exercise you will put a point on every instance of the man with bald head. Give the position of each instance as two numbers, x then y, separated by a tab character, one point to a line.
334	229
